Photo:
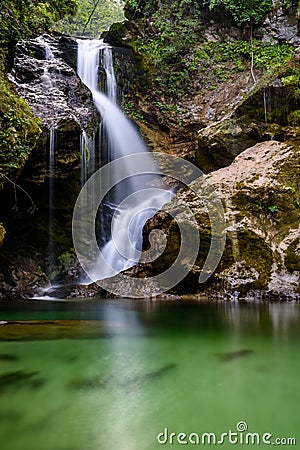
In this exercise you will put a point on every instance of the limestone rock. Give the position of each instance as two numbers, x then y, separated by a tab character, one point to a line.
260	193
281	27
221	142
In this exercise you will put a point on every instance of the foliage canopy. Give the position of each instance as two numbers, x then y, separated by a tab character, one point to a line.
98	15
21	19
249	11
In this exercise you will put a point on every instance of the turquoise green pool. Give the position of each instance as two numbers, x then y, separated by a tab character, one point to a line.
124	375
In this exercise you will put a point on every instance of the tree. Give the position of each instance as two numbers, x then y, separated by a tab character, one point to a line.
93	17
245	11
21	19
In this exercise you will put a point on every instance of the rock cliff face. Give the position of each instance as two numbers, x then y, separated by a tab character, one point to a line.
201	100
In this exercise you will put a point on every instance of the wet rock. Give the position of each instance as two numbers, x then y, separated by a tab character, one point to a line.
24	278
2	233
56	94
75	291
63	329
281	27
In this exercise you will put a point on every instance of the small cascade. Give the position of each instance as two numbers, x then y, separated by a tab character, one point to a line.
52	137
265	105
119	138
48	52
87	153
111	82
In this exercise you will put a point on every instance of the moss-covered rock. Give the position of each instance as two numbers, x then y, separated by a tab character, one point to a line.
19	131
292	258
222	141
260	195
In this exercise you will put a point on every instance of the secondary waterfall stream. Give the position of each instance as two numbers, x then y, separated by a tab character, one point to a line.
122	139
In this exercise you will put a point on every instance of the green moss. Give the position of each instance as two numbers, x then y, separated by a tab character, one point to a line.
19	129
288	174
257	254
130	110
276	206
292	258
294	118
2	233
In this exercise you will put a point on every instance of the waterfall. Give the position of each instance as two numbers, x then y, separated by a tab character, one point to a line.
51	189
107	60
121	139
265	105
48	52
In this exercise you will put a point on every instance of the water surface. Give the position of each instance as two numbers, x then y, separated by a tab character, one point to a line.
112	374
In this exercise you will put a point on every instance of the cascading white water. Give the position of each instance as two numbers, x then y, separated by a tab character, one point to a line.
48	52
122	140
265	105
51	188
110	74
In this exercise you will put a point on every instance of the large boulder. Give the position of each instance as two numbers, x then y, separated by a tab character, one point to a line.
260	192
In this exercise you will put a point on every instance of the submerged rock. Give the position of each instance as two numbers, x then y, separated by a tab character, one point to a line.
8	357
126	383
231	356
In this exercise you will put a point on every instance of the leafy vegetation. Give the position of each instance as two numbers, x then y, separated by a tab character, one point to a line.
174	46
292	82
19	130
294	118
266	56
129	109
19	127
21	19
93	17
248	11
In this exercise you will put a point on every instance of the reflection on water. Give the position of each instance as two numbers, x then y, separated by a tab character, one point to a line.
113	374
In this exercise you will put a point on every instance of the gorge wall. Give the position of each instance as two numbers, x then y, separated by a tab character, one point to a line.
197	87
198	92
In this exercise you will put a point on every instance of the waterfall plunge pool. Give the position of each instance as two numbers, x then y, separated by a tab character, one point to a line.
113	374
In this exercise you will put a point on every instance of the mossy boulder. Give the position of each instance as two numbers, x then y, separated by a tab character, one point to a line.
19	130
221	142
260	193
292	258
